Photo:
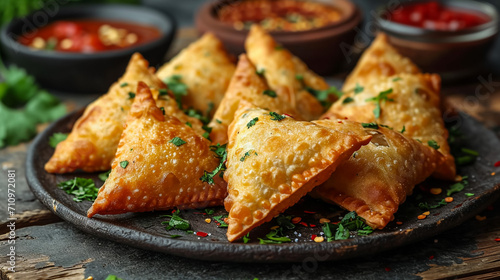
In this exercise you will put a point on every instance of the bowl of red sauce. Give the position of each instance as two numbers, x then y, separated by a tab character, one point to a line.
85	48
311	30
451	38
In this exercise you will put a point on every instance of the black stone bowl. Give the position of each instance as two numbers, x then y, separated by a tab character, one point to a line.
82	72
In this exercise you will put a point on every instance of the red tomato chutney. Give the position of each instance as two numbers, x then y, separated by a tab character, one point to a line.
278	15
434	16
89	36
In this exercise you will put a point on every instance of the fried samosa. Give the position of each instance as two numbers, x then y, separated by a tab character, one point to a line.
201	72
405	102
380	60
92	143
377	178
158	165
246	85
273	161
285	73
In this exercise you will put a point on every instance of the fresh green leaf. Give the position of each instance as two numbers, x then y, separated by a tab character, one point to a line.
470	152
44	107
383	96
221	153
396	79
433	144
386	126
323	96
220	220
176	221
209	211
299	77
403	129
124	84
328	230
247	154
252	122
370	125
177	141
469	194
260	71
342	233
189	124
285	222
457	187
246	239
103	176
124	164
57	138
162	110
358	89
270	93
177	87
276	117
348	100
113	277
81	188
173	236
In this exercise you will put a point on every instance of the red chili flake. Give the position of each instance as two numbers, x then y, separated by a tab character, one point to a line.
313	236
289	116
497	239
497	164
202	234
312	225
387	269
309	212
340	122
303	223
431	257
336	223
173	211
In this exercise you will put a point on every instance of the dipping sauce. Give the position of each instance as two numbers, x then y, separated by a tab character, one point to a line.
89	36
434	16
278	15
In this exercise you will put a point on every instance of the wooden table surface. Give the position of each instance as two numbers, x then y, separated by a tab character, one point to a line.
48	248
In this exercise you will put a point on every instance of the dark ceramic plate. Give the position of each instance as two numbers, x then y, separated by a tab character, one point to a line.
144	230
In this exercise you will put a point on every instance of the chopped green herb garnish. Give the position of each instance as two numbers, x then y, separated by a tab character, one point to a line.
285	222
469	194
358	89
260	71
403	129
113	277
220	220
210	107
299	77
396	79
433	144
270	93
424	206
274	237
207	128
370	125
124	164
197	114
177	141
131	95
220	152
176	221
162	110
209	211
189	124
162	92
218	121
103	176
382	96
348	100
177	87
81	188
342	233
206	135
323	96
246	239
174	236
124	84
276	117
247	154
350	222
57	138
470	152
457	187
386	126
252	122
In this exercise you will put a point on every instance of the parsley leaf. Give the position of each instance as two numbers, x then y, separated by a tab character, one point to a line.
299	77
342	233
270	93
103	176
260	71
57	138
247	154
162	110
285	222
177	141
358	89
323	96
276	117
177	87
124	84
348	100
81	188
113	277
197	114
220	152
220	220
176	221
433	144
246	239
457	187
370	125
382	96
404	129
124	164
274	237
396	79
209	211
252	122
424	206
131	95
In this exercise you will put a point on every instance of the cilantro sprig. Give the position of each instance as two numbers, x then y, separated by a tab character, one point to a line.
221	153
350	223
176	222
57	138
177	88
81	188
383	96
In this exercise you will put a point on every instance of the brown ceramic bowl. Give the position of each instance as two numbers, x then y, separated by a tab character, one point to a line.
452	54
319	48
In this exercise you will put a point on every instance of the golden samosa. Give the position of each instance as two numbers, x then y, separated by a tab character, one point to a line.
379	61
273	161
201	72
92	143
406	102
379	176
158	165
246	85
285	73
